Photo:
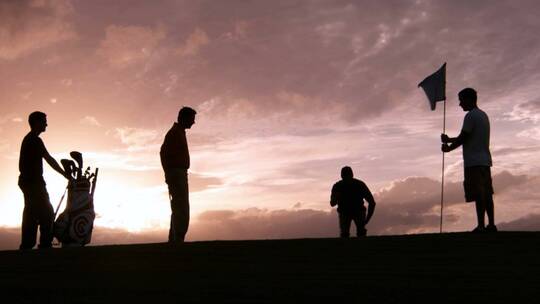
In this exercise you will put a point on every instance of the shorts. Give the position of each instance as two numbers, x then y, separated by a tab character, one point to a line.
477	183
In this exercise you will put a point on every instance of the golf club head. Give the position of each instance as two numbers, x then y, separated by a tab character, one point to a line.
66	165
69	167
74	170
94	175
77	156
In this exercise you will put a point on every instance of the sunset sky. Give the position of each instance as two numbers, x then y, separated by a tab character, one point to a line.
287	92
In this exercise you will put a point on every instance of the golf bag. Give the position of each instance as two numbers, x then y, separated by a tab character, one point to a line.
74	225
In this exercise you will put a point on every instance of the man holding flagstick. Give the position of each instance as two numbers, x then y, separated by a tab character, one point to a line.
474	138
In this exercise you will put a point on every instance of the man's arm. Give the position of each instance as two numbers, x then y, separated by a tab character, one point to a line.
451	143
52	162
334	196
371	205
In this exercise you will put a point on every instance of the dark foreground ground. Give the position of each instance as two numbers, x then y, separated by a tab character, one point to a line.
499	268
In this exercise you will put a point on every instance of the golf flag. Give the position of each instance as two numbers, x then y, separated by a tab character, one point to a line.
435	86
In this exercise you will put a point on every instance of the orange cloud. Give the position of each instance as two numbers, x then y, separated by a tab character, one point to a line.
90	121
194	43
138	139
124	46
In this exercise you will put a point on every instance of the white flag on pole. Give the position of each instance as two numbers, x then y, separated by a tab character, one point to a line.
435	86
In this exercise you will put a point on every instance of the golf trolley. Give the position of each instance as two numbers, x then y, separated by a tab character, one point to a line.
73	227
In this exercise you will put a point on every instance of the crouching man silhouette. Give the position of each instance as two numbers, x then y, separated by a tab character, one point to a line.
349	195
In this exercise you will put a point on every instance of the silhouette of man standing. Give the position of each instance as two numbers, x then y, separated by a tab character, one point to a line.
474	137
175	161
38	210
349	195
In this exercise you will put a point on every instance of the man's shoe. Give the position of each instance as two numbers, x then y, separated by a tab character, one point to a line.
491	228
175	243
362	232
479	229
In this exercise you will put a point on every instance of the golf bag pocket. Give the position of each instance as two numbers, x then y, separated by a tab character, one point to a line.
80	228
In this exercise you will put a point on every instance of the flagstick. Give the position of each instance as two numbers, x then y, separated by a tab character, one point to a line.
442	171
435	88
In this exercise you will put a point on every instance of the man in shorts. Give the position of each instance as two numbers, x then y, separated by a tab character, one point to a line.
349	194
474	137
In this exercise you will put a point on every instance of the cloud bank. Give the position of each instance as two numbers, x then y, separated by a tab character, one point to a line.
407	206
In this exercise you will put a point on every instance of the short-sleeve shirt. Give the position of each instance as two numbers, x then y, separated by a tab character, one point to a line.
31	159
476	145
350	194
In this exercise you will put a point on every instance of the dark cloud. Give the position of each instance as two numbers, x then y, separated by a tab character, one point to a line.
529	222
520	190
514	150
531	105
9	238
413	204
347	47
505	180
323	60
258	223
351	54
408	206
525	112
198	182
26	26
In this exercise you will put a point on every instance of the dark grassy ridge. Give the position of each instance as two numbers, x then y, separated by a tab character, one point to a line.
432	268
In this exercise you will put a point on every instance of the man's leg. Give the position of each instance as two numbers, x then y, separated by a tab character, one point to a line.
480	212
344	225
46	219
179	193
360	223
176	215
28	229
171	225
485	198
474	192
29	224
490	213
488	199
179	219
490	210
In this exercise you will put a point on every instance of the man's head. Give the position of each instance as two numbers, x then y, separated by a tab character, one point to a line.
37	121
346	172
186	117
467	99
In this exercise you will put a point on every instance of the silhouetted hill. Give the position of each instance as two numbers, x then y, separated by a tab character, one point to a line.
496	268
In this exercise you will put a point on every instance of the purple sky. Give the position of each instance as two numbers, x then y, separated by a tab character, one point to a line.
287	93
